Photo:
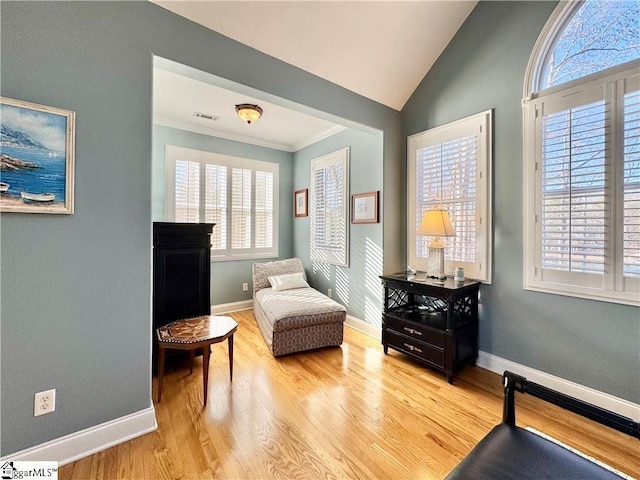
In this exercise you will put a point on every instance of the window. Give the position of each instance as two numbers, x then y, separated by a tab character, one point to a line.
449	167
239	195
598	35
582	156
328	208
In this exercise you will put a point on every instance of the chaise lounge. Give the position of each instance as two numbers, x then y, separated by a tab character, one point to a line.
292	316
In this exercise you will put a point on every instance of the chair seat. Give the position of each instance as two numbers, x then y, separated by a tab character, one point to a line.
508	453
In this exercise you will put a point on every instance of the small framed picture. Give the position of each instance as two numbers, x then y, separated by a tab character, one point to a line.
300	198
364	207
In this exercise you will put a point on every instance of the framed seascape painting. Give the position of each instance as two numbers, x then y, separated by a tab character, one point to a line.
36	158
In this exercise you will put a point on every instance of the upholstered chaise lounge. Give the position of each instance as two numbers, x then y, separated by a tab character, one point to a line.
291	315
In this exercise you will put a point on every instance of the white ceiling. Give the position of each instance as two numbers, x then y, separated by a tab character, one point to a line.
379	49
179	92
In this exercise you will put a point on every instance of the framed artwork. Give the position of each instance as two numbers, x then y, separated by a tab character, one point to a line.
300	199
364	207
36	158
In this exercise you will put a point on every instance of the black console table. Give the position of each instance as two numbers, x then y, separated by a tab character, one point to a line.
434	324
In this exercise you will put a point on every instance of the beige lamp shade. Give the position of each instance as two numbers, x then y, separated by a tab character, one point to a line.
437	224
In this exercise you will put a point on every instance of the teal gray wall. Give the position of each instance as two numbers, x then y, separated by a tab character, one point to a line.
76	290
357	286
596	344
226	277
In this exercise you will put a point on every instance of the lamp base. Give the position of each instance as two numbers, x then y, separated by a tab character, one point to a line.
436	263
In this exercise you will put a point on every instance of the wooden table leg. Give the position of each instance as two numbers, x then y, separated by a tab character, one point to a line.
231	358
206	352
161	353
191	354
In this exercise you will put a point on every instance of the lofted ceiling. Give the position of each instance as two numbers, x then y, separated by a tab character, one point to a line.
378	49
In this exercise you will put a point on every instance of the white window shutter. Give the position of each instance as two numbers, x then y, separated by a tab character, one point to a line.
446	178
264	210
329	208
239	195
240	208
582	158
215	203
575	202
187	191
631	174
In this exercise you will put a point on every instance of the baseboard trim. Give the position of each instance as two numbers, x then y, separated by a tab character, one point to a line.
363	327
91	440
498	365
231	307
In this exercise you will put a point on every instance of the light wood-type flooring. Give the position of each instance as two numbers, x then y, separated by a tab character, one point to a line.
337	413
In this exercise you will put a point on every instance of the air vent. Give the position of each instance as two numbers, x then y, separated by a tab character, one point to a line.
206	116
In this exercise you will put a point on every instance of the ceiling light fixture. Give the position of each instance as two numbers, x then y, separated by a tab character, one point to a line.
249	112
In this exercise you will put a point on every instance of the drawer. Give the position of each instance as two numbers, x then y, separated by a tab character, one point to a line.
416	331
418	349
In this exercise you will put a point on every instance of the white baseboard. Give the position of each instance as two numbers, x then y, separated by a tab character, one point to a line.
231	307
620	406
363	327
91	440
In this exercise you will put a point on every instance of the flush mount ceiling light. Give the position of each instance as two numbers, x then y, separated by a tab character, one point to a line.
249	112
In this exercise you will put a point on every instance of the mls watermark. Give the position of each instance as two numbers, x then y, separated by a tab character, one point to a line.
20	470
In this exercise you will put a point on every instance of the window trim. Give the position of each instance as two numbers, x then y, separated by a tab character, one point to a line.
173	153
484	199
612	289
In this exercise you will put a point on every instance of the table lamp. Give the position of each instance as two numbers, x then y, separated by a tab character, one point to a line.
436	223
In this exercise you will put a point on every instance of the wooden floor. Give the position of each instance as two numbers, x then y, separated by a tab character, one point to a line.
347	412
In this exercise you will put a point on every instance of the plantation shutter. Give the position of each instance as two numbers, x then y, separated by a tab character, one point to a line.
446	177
586	220
264	210
240	208
329	227
631	198
329	183
239	195
574	198
328	208
187	191
215	199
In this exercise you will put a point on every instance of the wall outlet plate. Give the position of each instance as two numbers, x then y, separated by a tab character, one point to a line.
329	292
44	402
245	287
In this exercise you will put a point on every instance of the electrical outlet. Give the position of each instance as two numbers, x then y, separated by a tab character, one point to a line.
245	287
44	402
329	293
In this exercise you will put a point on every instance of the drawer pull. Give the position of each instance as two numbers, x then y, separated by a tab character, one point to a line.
412	331
412	348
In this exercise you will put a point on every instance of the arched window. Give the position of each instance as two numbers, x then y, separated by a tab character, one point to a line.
582	153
